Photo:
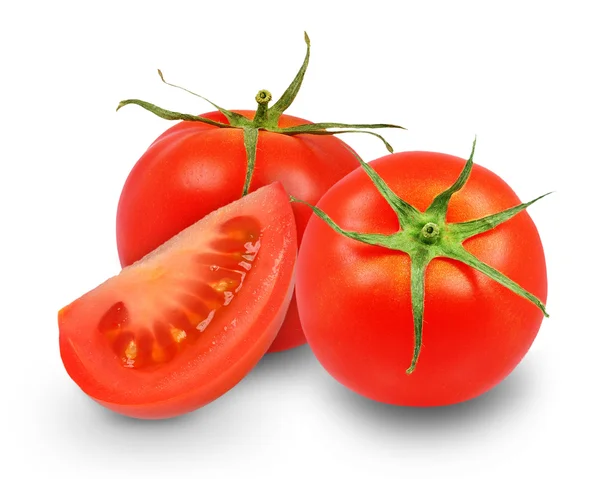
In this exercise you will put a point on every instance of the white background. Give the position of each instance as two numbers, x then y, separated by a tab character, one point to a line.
523	76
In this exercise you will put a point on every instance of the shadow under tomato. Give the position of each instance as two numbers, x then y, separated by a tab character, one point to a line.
513	395
80	413
283	361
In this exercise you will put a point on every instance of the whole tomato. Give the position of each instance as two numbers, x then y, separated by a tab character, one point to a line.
418	289
207	161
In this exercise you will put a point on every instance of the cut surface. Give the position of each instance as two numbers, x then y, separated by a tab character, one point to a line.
184	324
180	299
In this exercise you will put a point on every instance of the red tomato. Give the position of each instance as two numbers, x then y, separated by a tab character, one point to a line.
194	168
183	325
355	299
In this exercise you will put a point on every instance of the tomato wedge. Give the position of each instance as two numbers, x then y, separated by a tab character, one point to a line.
187	322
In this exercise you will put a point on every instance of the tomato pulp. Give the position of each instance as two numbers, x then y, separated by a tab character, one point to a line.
355	298
187	322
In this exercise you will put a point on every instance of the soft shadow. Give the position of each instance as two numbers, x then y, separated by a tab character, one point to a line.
83	426
113	419
83	411
85	422
284	361
514	394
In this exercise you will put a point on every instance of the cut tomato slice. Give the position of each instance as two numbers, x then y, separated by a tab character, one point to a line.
187	322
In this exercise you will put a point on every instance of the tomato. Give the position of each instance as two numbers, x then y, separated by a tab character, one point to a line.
206	161
194	168
187	322
358	307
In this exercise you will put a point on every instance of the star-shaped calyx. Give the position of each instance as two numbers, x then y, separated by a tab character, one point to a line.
266	118
427	235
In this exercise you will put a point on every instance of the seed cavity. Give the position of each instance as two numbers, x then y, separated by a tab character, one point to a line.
130	354
178	334
147	341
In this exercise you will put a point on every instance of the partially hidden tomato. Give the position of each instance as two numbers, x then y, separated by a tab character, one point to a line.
187	322
207	161
418	289
196	168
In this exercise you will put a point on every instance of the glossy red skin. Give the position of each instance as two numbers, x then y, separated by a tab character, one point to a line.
194	168
221	357
354	299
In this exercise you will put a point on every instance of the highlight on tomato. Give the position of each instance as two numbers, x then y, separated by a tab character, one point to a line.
421	279
184	324
207	161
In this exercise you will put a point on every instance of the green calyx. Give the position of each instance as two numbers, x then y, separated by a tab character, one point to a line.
266	118
426	235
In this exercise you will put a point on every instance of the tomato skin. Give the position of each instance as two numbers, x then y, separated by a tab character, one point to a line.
475	331
239	334
194	168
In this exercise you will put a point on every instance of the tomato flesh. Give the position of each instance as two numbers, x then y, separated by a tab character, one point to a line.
184	324
183	299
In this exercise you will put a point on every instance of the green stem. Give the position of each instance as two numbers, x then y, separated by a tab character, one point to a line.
439	205
266	118
430	233
462	231
231	116
372	239
292	90
418	265
287	131
462	255
263	97
250	143
407	213
171	115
